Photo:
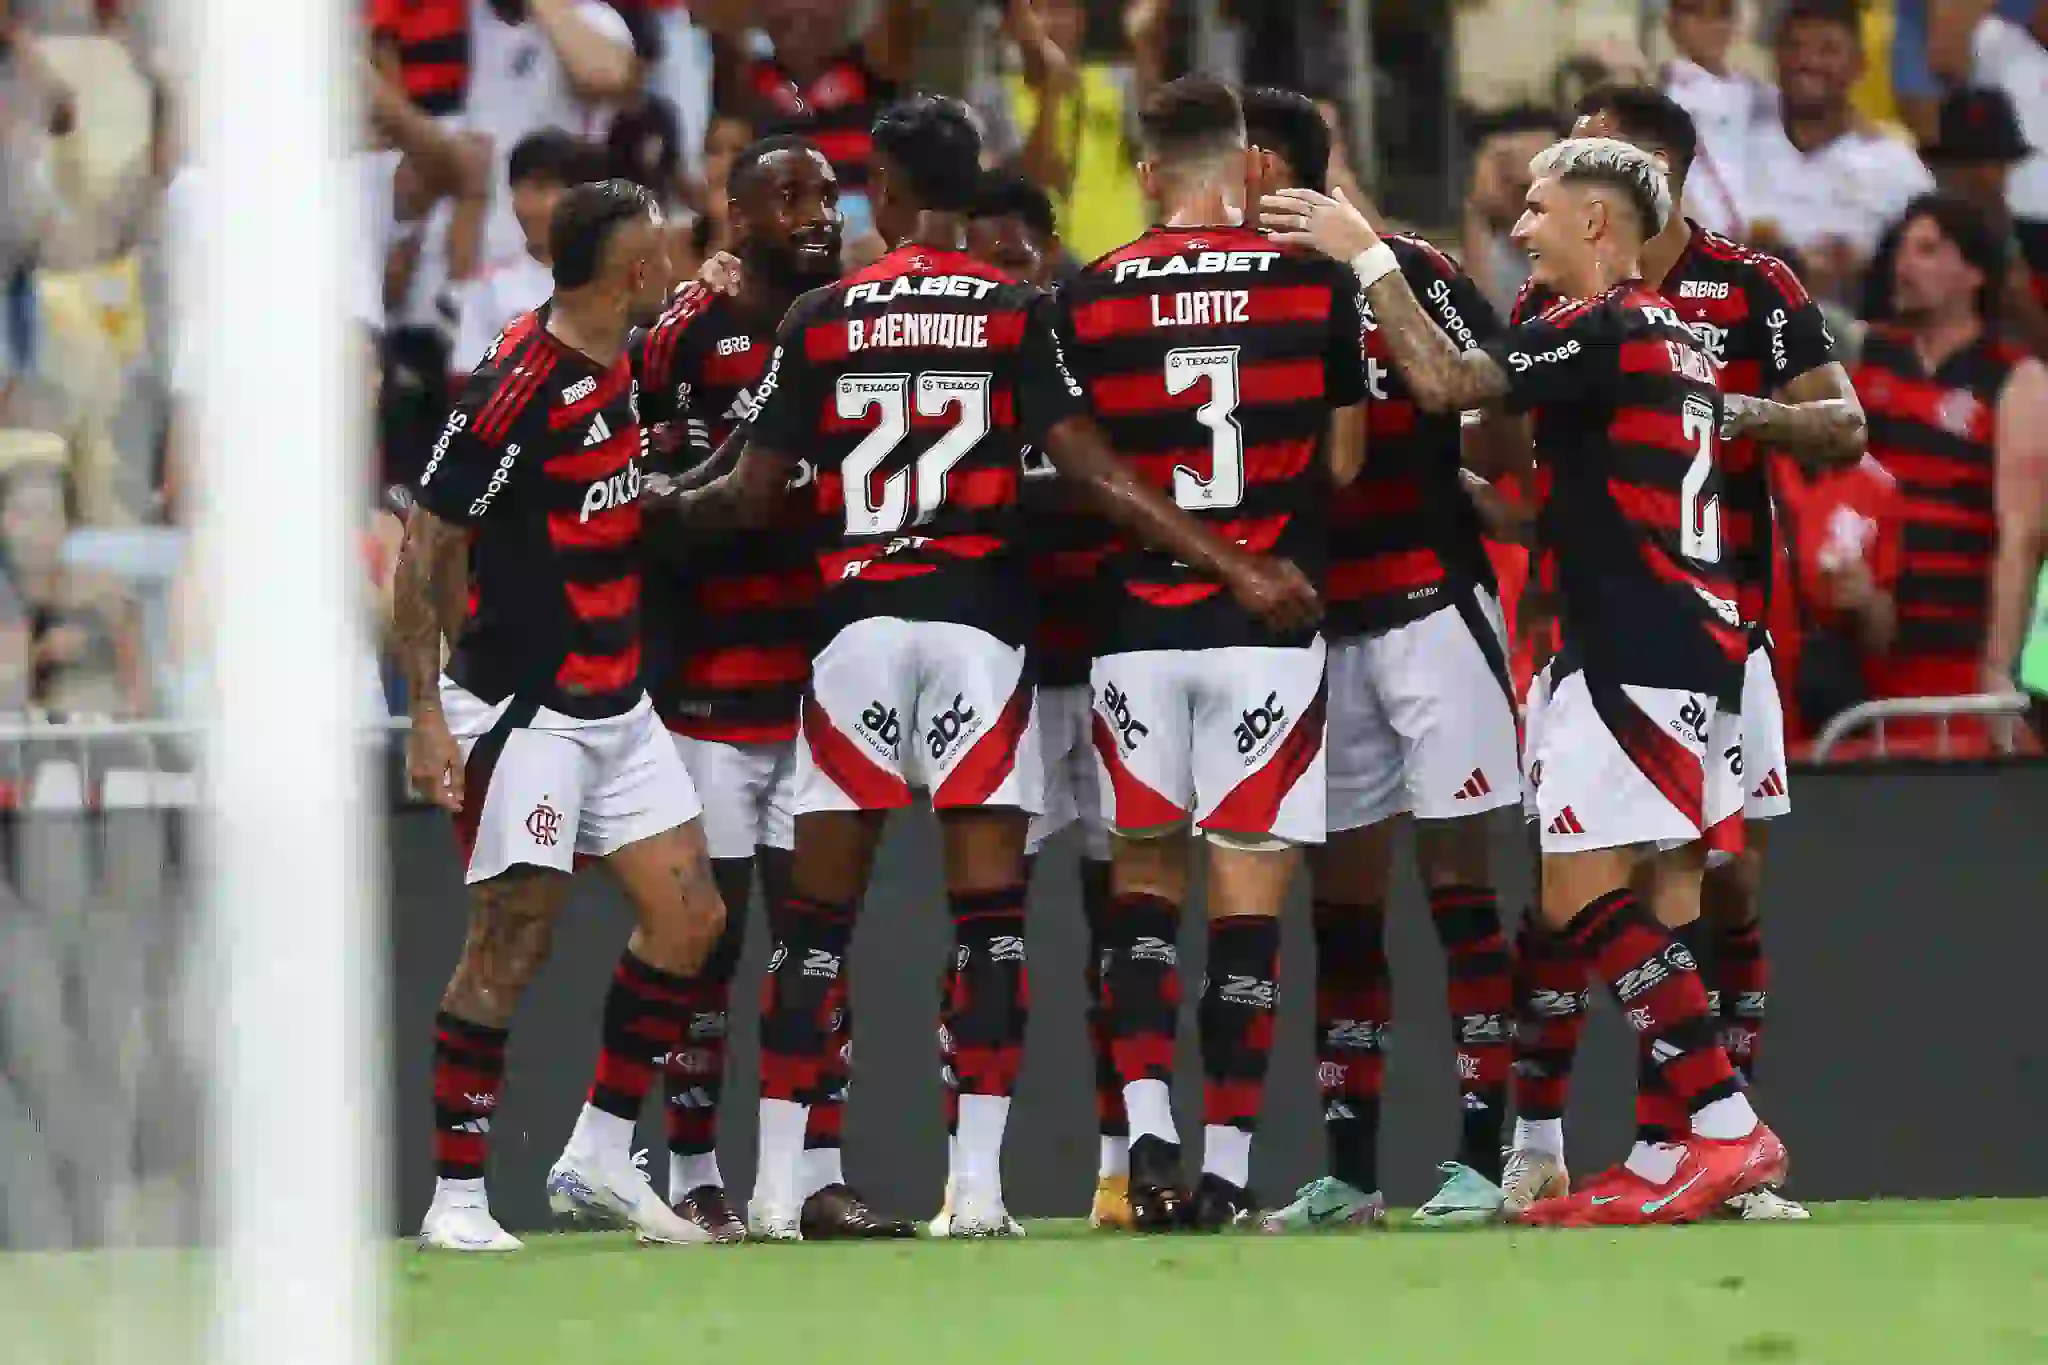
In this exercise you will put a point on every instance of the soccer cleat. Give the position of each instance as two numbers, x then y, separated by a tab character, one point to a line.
1158	1200
1218	1204
1614	1197
984	1217
1716	1170
585	1187
942	1221
1529	1176
837	1213
1112	1206
708	1207
773	1223
1465	1199
459	1225
1327	1203
1763	1205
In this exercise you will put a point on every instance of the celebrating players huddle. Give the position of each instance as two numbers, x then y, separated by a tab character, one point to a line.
1189	551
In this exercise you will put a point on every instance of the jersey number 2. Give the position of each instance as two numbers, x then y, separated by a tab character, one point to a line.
914	494
1225	485
1699	512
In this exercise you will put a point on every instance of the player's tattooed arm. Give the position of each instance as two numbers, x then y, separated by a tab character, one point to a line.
429	601
1442	377
1815	417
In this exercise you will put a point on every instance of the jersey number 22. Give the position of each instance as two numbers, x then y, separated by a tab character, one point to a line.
914	494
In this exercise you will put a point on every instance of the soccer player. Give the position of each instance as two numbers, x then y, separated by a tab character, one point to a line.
1422	723
915	382
730	622
1765	336
1215	361
524	548
1627	416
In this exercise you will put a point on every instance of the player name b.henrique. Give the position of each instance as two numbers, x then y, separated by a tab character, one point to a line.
919	331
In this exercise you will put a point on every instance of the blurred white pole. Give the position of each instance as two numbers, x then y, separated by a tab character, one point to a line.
1359	83
298	1117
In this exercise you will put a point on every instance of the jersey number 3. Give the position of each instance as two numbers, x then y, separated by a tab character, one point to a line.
1225	485
913	494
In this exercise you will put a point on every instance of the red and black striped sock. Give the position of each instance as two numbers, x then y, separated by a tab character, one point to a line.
469	1073
1110	1119
1656	982
1743	974
645	1012
693	1080
1480	984
1235	1018
990	997
1660	1118
1142	985
1354	1009
800	996
1550	1009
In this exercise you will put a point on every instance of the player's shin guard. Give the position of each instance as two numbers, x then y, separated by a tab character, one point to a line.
1141	984
693	1077
799	997
1657	984
1354	1007
645	1013
1550	1015
1236	1018
990	997
1480	982
469	1071
1743	975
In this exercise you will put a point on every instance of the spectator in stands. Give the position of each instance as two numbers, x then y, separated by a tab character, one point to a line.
1500	182
1833	604
728	137
1973	43
1818	182
85	647
541	167
424	47
1915	84
1960	420
1724	103
679	71
35	106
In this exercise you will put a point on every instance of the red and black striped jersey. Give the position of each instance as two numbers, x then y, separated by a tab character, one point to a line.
1404	531
835	109
1627	420
729	619
432	37
1213	357
541	460
1756	322
1934	433
913	386
1069	543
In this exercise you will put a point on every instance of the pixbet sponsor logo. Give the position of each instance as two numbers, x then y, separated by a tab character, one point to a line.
620	490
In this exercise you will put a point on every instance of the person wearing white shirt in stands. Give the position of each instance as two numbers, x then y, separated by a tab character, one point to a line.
1817	181
1725	105
1973	42
542	165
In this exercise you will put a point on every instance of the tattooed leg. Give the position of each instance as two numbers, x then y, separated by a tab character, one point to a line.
668	880
511	927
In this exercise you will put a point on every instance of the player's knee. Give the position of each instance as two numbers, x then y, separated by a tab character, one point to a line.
1231	841
1454	852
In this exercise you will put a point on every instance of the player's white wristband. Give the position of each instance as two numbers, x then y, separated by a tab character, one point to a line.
1374	264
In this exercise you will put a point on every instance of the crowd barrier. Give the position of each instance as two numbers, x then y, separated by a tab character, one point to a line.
1902	910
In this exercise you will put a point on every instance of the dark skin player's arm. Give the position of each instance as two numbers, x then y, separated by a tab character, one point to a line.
743	480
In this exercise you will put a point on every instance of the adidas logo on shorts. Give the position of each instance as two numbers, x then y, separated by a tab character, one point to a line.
1475	787
1566	823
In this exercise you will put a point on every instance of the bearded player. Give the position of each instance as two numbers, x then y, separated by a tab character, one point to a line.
1627	418
1765	336
731	621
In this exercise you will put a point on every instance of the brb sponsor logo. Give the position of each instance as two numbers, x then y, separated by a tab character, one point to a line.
620	490
1129	729
1524	361
1260	724
950	725
579	390
882	729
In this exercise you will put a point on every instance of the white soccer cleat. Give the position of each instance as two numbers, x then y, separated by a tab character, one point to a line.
1764	1205
464	1225
942	1221
770	1223
588	1188
983	1217
1529	1176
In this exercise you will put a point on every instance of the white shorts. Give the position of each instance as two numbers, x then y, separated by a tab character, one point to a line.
1619	765
895	703
1066	716
748	791
1422	720
1233	737
556	788
1765	774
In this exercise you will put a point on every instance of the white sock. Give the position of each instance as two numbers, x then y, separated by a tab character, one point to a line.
1540	1135
821	1167
1114	1158
461	1194
1726	1119
601	1135
1655	1162
782	1146
689	1170
982	1119
1149	1106
952	1160
1227	1152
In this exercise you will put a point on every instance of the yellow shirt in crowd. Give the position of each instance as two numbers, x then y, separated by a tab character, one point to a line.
1105	207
